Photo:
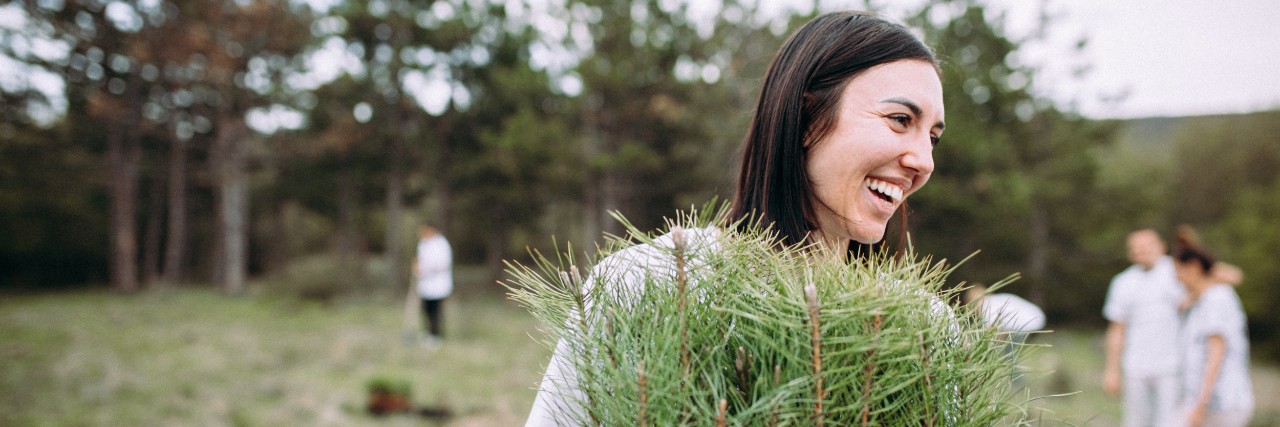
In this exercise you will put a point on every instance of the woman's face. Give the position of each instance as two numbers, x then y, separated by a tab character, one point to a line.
879	151
1189	273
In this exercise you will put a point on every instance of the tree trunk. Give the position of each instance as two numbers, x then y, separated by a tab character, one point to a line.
277	256
151	237
175	248
125	154
276	249
273	249
444	194
611	200
346	213
499	231
395	214
592	194
230	163
1038	259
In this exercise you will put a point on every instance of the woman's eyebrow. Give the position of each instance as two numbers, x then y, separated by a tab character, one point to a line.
915	109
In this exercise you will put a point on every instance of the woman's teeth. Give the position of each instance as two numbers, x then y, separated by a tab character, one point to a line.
890	191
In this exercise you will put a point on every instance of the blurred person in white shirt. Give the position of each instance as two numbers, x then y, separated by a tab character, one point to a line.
433	276
1016	317
1142	352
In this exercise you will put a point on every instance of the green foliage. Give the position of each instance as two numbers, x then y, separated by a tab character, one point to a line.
1250	238
648	119
514	156
326	279
390	385
1015	174
714	326
1226	152
52	208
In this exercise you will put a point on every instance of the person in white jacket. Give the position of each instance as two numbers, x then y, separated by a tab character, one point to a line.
843	133
433	275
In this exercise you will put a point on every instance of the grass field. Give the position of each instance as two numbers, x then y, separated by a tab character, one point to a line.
1067	365
197	358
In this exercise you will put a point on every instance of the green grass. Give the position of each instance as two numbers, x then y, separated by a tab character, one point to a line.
191	357
1064	371
194	357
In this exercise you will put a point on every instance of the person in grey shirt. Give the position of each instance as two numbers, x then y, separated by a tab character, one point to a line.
1215	378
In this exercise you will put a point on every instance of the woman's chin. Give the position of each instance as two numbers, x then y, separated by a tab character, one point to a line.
874	235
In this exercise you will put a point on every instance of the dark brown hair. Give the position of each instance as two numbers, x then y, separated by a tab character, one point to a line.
798	103
1199	256
1187	249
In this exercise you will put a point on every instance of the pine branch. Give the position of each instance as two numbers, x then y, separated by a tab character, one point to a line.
879	347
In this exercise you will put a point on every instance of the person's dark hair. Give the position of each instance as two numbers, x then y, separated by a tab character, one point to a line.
798	104
1187	249
1193	254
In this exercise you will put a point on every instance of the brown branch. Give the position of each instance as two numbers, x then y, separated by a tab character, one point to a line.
773	406
724	410
580	298
869	371
677	238
644	399
928	387
815	325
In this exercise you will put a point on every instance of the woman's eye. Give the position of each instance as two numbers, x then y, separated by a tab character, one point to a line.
901	119
935	139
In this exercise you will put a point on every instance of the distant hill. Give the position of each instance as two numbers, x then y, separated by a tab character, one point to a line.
1157	134
1145	147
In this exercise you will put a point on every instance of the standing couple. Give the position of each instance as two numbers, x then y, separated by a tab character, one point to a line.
1177	346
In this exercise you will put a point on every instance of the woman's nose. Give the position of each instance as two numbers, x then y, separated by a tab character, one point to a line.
919	157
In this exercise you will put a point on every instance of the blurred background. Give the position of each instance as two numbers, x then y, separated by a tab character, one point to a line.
208	207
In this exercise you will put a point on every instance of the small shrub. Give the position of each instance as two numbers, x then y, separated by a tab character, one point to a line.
325	279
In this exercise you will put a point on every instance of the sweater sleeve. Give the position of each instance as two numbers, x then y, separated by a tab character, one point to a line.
559	400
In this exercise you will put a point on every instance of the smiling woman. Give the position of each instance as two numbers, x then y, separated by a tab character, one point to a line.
843	133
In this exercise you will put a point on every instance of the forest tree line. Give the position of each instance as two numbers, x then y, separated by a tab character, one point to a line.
209	141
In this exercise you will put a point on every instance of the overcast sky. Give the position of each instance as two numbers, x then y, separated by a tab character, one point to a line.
1172	57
